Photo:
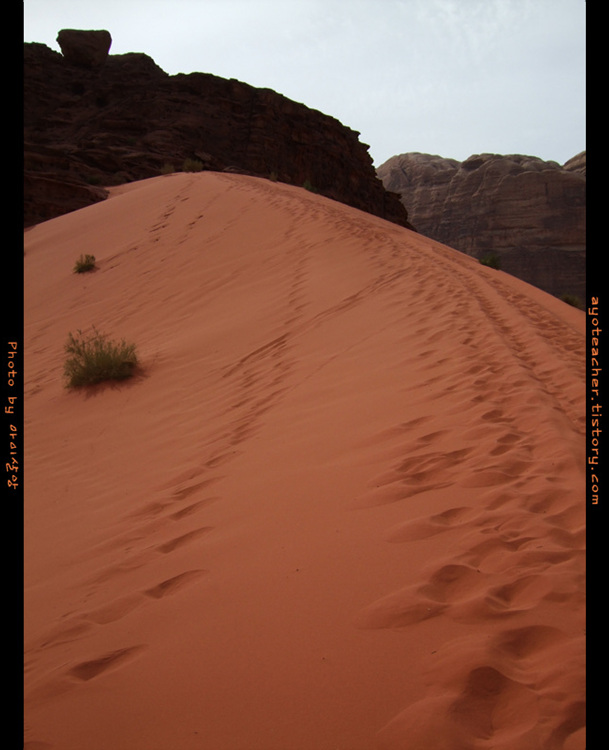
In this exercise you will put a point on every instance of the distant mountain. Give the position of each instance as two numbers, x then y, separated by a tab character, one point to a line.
528	212
93	120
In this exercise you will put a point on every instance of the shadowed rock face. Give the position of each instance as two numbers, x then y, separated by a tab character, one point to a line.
123	119
529	212
87	49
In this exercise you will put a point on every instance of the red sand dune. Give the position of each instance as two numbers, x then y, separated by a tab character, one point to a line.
341	507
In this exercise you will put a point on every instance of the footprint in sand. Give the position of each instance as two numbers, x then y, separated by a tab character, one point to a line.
501	600
415	475
397	610
423	528
489	477
65	633
487	693
528	642
478	711
184	492
174	584
447	586
192	508
393	492
115	610
432	437
87	670
491	703
452	583
179	541
120	607
467	593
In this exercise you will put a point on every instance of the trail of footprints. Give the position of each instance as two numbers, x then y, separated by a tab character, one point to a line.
520	508
259	378
520	544
146	542
545	335
524	513
499	695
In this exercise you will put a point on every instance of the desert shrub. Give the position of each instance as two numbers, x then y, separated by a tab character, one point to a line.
118	178
573	300
308	185
92	358
491	260
84	263
167	168
192	165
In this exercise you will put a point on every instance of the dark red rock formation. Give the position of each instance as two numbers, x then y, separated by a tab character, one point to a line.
530	213
128	120
47	196
87	49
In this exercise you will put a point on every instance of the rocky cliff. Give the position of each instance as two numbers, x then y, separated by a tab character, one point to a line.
528	212
93	119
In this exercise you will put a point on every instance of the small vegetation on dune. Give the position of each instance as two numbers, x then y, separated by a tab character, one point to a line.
84	264
573	300
192	165
491	260
308	185
93	358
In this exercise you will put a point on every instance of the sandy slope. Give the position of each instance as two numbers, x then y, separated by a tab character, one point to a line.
342	506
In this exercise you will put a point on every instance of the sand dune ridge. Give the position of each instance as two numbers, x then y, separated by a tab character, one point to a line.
342	506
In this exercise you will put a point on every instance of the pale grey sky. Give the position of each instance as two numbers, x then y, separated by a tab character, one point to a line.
447	77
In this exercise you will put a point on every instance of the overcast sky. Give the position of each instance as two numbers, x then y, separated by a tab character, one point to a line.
447	77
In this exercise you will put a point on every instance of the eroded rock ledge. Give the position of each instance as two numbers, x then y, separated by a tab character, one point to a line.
94	119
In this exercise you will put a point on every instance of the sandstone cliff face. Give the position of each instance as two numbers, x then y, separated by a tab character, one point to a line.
93	120
576	163
529	212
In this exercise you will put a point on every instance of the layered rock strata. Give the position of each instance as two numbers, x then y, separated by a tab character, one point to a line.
92	122
528	212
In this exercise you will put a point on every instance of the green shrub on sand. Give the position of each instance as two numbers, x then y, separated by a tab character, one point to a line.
491	260
93	358
84	263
